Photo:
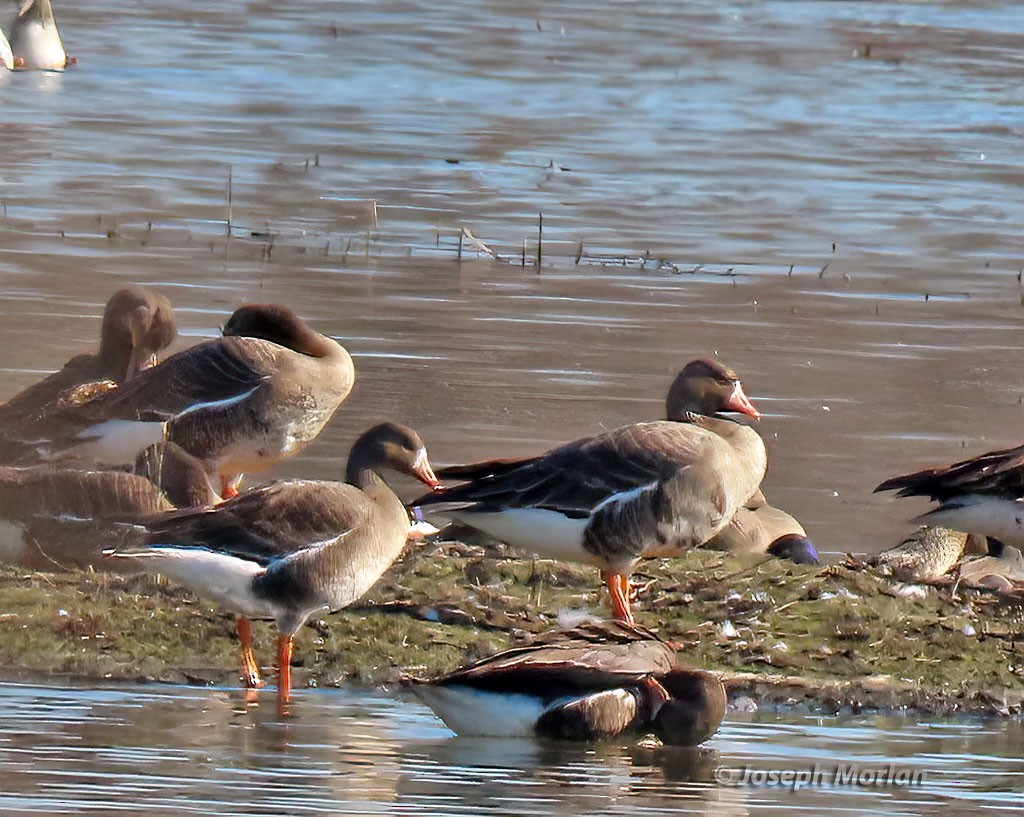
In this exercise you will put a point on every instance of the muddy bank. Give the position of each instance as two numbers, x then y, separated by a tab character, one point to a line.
833	638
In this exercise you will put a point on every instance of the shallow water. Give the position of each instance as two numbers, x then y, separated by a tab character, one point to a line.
156	749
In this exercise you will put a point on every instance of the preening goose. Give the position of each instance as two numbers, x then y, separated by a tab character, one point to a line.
261	392
289	549
591	683
649	489
137	325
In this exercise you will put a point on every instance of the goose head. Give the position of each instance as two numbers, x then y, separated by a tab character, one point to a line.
706	387
694	709
137	324
394	446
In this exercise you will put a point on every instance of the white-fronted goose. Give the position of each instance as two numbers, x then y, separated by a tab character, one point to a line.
983	495
35	39
60	518
759	528
239	403
587	684
137	325
649	489
287	550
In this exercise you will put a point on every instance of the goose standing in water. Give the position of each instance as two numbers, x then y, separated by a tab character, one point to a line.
137	325
587	684
643	490
35	39
260	393
287	550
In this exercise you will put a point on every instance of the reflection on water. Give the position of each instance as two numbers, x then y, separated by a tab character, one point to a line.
158	749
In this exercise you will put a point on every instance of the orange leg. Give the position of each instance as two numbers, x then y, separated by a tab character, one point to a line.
229	486
250	669
284	671
618	589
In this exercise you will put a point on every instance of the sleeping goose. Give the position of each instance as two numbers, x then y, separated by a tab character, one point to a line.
35	39
586	684
137	325
261	392
62	518
982	495
290	549
649	489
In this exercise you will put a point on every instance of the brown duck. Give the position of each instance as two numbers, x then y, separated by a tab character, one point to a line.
643	490
290	549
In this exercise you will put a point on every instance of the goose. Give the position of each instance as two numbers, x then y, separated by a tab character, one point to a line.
289	549
642	490
137	325
759	527
592	683
35	39
260	393
982	495
61	518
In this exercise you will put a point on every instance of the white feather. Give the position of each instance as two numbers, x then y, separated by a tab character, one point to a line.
469	711
625	496
549	534
226	580
118	441
1002	519
216	405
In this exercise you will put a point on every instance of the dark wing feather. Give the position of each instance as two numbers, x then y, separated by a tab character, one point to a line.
210	372
583	662
266	523
577	476
996	472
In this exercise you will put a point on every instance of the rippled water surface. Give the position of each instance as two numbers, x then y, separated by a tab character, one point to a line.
161	750
826	194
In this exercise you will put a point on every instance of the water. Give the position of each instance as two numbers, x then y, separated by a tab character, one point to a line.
163	750
826	194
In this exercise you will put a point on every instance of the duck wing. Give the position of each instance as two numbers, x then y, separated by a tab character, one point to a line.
998	473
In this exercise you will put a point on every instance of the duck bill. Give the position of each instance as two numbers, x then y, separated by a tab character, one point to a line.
423	472
739	402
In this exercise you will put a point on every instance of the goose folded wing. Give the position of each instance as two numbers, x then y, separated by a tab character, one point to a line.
575	478
266	523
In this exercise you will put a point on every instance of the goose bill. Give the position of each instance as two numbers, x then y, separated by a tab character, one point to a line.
422	470
739	401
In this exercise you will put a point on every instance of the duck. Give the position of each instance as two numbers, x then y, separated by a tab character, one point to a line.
137	325
592	683
982	495
761	528
35	39
289	549
929	553
638	491
261	392
58	518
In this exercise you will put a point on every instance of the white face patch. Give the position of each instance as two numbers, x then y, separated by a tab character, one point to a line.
420	459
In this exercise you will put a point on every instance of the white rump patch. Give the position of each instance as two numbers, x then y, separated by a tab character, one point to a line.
549	534
118	441
226	580
1002	519
469	711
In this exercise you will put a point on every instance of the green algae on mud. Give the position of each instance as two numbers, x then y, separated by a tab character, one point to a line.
835	637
